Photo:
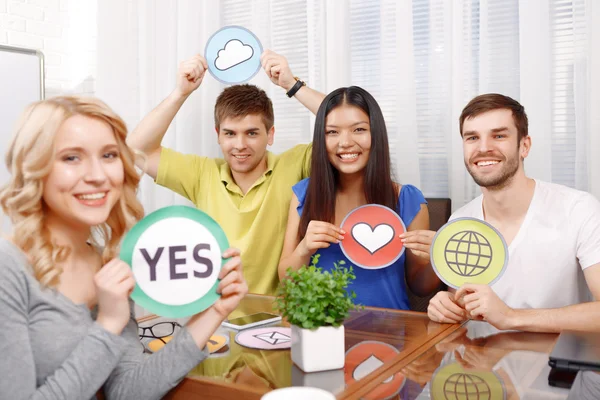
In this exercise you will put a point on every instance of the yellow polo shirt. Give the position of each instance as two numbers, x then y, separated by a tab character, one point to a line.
255	222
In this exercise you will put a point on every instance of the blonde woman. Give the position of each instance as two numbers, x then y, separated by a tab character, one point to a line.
67	327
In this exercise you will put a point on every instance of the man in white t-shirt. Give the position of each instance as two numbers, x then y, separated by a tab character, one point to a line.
552	233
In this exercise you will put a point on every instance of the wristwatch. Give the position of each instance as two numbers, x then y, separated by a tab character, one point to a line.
296	87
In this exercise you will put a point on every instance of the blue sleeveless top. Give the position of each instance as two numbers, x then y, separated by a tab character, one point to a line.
374	287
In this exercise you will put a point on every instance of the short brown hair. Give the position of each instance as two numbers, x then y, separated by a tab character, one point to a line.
494	101
241	100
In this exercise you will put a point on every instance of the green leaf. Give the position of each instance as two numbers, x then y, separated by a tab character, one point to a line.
310	297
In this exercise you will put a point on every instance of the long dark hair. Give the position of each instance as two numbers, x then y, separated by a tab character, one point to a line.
379	187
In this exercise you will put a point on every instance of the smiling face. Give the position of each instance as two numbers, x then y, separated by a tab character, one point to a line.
244	141
87	174
348	138
492	151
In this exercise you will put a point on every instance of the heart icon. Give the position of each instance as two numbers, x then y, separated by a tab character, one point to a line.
372	239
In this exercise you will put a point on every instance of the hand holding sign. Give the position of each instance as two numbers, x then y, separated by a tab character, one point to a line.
482	303
277	69
233	286
445	309
320	235
190	74
114	282
419	242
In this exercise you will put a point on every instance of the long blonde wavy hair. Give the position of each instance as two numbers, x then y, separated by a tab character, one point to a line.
30	158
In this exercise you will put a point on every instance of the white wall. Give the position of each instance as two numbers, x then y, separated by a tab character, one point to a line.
64	30
119	81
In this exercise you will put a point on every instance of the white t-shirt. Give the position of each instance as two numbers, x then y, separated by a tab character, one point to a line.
558	239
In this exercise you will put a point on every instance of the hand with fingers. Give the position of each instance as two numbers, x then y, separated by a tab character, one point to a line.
421	370
233	286
457	339
443	308
114	283
480	358
320	235
277	69
419	242
483	304
190	74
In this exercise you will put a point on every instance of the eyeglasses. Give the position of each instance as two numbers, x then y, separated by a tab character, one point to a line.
160	331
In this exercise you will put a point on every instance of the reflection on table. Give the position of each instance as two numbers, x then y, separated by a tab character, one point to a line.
479	362
375	340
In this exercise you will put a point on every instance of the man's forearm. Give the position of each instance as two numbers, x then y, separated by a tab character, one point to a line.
148	135
578	317
308	97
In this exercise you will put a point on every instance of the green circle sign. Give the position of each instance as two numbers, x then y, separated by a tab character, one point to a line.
175	255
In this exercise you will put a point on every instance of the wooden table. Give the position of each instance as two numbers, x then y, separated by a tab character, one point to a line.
243	373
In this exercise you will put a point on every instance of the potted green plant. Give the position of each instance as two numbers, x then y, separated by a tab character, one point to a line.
316	303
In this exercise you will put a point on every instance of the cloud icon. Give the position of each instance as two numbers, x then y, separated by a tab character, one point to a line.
235	52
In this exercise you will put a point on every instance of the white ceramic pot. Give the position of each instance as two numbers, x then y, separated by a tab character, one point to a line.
320	349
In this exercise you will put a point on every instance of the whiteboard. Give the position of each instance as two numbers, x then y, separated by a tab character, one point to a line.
21	83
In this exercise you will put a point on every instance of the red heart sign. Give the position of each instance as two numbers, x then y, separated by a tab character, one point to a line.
371	239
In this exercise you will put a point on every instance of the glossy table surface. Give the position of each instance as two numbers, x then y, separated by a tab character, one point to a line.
478	361
406	357
243	373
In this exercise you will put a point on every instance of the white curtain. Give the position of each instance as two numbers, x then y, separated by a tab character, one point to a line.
423	60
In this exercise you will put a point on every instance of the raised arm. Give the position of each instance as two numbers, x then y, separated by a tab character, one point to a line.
149	133
277	69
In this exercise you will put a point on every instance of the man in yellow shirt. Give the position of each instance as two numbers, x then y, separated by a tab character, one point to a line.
248	192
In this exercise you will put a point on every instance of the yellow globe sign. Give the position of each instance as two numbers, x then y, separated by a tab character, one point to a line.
453	382
468	250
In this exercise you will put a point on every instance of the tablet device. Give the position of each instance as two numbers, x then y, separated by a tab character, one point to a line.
252	320
575	351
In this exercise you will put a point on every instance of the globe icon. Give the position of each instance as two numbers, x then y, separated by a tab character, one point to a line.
468	253
466	387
